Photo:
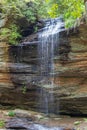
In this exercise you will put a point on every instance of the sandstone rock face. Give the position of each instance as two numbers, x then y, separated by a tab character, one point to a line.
20	78
73	75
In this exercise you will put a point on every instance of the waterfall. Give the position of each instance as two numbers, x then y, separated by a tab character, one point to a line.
47	47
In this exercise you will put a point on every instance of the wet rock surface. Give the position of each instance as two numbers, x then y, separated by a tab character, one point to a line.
24	119
20	123
20	79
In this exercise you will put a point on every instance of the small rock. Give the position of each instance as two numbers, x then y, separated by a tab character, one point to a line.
18	123
39	117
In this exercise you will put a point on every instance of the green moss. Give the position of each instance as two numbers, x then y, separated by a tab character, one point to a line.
11	113
2	123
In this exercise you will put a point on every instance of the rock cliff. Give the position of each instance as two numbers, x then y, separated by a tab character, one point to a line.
19	74
73	75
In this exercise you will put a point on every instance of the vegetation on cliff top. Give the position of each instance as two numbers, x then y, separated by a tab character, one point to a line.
14	11
69	9
11	14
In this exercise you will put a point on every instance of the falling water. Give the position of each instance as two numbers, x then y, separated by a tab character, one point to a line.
49	41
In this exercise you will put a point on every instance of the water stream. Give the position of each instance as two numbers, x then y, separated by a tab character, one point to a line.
47	47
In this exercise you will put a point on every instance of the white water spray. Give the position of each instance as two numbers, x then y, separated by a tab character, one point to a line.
49	42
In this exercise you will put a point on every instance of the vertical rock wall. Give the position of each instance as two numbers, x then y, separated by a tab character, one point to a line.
5	78
19	74
72	75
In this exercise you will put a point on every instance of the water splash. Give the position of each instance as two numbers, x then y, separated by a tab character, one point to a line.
49	42
40	127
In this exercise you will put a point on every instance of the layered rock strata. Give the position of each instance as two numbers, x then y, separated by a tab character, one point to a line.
20	78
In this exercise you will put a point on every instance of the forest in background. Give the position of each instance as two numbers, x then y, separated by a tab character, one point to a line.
12	12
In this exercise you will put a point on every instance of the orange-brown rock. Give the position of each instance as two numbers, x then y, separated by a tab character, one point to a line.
72	76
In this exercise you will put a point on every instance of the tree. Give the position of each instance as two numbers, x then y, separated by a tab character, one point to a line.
69	9
32	10
13	10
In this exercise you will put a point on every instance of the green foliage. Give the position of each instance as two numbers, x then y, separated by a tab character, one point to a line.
11	11
11	113
69	9
33	10
24	89
77	122
2	123
10	34
85	119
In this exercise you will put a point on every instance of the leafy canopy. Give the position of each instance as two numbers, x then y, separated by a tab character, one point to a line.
69	9
12	10
32	10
